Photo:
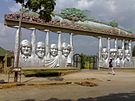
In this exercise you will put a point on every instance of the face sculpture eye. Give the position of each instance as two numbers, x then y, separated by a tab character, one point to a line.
66	49
53	50
26	47
40	49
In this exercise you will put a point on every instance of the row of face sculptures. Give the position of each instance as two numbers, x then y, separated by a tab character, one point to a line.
39	58
120	57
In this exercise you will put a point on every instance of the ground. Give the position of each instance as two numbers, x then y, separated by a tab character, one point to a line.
119	87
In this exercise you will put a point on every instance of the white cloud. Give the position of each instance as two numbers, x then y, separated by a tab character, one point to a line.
15	7
6	37
61	4
81	4
85	4
2	30
7	0
112	5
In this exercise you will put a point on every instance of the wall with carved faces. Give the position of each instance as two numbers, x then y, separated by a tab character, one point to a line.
44	54
120	57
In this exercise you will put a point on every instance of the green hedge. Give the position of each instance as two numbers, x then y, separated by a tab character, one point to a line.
47	72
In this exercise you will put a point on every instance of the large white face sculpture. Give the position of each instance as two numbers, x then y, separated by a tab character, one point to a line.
120	53
66	49
40	49
26	47
113	53
104	53
127	55
53	50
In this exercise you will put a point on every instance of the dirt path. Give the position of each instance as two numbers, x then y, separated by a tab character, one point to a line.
119	87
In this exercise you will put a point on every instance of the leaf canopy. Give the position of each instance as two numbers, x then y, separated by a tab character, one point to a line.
43	7
73	14
113	23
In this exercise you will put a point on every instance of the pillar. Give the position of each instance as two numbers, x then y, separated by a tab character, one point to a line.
47	43
116	47
59	49
116	43
123	50
130	49
71	41
99	50
59	41
70	56
108	48
17	40
33	42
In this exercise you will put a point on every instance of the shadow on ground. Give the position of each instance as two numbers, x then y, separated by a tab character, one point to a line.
111	97
55	78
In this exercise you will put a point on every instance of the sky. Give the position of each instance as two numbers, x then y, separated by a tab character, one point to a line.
123	11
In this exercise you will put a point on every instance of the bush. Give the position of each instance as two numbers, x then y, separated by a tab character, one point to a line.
113	23
47	72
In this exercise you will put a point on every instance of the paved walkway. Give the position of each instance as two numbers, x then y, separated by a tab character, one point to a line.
119	87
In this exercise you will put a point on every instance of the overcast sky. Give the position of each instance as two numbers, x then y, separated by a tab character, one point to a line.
123	11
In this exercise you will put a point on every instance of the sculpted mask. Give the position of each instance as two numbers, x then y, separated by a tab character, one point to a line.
120	53
113	53
104	53
127	55
66	49
53	50
26	47
40	49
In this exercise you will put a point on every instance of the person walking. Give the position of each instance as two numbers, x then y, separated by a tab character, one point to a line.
111	67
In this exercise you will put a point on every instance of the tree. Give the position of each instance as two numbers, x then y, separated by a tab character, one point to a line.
73	14
113	23
43	7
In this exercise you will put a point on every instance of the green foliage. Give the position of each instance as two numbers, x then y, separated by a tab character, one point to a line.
86	61
73	14
113	23
3	52
133	52
43	7
30	13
